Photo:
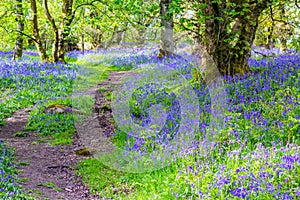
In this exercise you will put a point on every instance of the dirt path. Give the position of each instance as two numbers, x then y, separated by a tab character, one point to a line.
94	131
42	165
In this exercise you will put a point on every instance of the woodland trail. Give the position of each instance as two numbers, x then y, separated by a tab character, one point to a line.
40	164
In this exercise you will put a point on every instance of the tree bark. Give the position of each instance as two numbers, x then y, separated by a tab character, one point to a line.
116	37
96	32
140	39
36	35
54	53
97	36
283	37
167	40
61	33
111	40
270	41
18	49
119	37
230	47
82	32
198	41
65	27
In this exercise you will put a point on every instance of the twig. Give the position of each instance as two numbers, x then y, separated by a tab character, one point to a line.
264	55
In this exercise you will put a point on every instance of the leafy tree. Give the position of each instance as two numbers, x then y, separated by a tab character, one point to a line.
230	28
226	28
277	25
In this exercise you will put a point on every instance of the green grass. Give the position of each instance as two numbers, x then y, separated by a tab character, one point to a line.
89	76
23	180
20	134
60	126
23	163
115	184
52	185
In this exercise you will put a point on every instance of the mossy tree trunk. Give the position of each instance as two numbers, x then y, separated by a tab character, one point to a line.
65	27
230	28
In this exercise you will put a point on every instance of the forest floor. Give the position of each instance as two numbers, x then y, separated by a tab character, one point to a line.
47	171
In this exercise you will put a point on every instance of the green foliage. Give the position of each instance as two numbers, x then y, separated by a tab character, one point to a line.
109	183
58	125
53	186
20	134
9	188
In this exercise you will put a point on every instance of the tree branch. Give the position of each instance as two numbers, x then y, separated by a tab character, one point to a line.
9	32
264	55
50	18
3	15
296	3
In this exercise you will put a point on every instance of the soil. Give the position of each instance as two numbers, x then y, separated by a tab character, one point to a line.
40	163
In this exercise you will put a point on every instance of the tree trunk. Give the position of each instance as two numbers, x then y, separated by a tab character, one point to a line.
96	32
198	48
140	39
18	49
97	37
65	27
270	42
111	40
82	33
36	35
283	44
119	37
124	37
61	33
167	40
82	42
54	53
230	47
116	37
283	37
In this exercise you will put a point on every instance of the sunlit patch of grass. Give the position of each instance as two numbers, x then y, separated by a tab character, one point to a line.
89	76
109	183
62	138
